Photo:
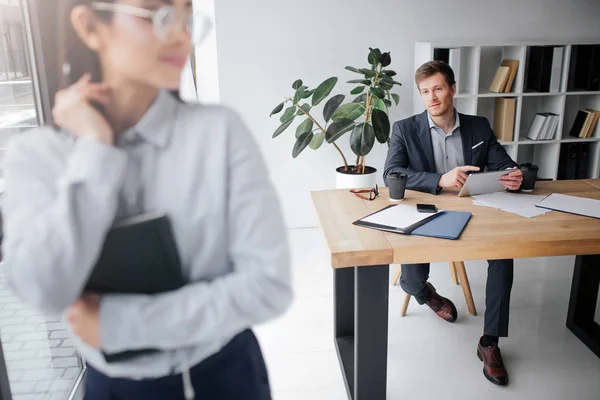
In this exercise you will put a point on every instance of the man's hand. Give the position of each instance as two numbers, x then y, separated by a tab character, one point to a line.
513	180
84	319
456	177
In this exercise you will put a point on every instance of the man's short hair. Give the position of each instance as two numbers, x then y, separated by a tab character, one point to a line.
433	67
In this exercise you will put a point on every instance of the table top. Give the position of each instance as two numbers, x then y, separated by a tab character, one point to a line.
490	234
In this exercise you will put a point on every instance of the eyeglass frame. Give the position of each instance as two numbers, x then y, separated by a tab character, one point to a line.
153	16
373	193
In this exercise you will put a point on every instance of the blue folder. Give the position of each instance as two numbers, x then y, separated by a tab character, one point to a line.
448	225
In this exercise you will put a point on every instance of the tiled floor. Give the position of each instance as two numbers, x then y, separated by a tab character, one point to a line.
427	357
40	358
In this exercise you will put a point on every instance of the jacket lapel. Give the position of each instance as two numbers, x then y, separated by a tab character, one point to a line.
467	139
425	137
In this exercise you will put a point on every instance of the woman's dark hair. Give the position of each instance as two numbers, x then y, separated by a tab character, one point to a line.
76	58
433	67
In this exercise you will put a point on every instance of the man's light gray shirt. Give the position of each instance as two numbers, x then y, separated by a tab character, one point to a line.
447	148
201	166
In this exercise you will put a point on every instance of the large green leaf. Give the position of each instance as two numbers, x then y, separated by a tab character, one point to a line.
305	126
361	81
297	84
356	90
362	139
306	107
396	98
379	104
369	73
282	128
374	55
389	72
308	93
338	128
380	93
349	111
332	105
323	90
385	59
288	114
385	84
299	94
301	143
277	109
360	99
317	140
353	69
387	102
381	125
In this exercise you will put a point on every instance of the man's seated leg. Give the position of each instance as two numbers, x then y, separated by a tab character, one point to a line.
497	302
414	282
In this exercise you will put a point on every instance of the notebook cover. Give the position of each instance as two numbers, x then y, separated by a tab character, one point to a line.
449	225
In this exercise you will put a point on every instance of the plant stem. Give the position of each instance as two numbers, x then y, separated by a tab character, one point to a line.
324	133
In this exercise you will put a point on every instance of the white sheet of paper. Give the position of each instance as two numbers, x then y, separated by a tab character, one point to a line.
516	203
572	204
399	216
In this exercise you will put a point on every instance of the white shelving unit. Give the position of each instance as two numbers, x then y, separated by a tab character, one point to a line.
478	64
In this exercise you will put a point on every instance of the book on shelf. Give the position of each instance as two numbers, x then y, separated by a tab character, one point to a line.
544	126
539	69
587	67
556	70
573	161
440	54
500	79
504	118
585	123
514	66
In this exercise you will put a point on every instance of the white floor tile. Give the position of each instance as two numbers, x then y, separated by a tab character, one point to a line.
429	358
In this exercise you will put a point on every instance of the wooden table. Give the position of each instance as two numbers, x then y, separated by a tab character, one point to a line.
361	294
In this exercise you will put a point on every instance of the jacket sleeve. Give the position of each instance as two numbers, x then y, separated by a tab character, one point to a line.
258	288
497	157
398	161
54	226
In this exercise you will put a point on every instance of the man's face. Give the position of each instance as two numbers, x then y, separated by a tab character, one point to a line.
437	95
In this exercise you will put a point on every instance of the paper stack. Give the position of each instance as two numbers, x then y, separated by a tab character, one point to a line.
521	204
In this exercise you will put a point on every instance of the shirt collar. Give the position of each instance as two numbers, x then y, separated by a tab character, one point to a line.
456	123
155	126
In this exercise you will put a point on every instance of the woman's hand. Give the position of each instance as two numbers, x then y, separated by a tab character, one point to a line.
74	112
84	317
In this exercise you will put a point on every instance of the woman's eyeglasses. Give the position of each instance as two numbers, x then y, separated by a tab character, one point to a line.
164	20
373	193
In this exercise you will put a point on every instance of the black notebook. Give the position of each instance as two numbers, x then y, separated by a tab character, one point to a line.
139	256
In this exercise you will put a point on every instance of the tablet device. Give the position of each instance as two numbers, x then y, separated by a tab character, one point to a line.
483	183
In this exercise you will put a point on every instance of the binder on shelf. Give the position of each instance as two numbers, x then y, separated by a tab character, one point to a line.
500	79
582	161
539	69
514	66
587	67
441	55
544	126
556	70
585	123
567	165
593	118
504	118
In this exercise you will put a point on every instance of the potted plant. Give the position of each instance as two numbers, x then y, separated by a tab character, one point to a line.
366	117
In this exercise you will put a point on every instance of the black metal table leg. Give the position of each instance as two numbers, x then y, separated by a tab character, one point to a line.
582	305
361	329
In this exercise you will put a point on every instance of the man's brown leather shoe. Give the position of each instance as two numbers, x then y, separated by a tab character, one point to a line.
493	366
443	307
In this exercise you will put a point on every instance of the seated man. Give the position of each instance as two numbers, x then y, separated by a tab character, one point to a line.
436	149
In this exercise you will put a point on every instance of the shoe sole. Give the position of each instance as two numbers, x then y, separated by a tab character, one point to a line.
487	376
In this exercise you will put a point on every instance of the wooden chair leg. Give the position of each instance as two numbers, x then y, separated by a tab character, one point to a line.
453	274
405	304
464	282
396	275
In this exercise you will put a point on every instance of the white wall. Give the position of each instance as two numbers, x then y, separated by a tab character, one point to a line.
263	46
